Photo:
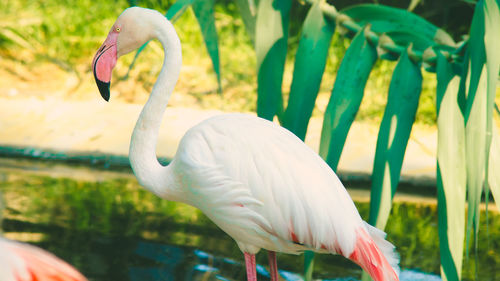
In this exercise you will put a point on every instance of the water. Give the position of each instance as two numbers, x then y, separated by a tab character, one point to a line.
111	229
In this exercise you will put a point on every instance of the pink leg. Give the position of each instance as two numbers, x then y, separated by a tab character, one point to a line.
273	266
250	266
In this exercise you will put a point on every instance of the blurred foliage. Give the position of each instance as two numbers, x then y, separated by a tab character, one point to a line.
68	33
64	30
117	207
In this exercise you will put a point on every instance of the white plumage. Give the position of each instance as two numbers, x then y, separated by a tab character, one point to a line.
256	178
257	181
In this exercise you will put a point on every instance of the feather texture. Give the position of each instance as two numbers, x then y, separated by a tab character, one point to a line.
290	191
375	255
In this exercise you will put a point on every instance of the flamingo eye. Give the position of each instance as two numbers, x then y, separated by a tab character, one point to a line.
117	29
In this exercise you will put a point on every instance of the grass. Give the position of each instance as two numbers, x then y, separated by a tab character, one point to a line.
111	207
67	33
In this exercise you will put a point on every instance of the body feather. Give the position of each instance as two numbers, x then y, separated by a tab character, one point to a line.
267	189
298	194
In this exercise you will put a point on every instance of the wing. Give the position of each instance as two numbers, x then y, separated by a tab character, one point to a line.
291	190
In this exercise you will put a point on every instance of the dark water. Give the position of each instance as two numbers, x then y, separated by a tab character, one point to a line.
124	258
112	229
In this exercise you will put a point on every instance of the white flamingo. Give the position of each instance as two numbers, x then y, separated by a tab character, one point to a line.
254	179
24	262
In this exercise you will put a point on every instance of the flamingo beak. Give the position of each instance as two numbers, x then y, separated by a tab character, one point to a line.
103	64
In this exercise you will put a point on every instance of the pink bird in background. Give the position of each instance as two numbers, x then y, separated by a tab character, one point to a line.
24	262
254	179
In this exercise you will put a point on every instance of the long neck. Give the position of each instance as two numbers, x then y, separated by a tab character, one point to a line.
149	172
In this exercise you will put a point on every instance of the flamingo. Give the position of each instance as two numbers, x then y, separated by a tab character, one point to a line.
255	180
24	262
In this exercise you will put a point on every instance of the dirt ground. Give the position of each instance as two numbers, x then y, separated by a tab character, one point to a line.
196	88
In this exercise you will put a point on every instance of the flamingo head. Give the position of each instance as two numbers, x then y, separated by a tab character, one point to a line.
133	28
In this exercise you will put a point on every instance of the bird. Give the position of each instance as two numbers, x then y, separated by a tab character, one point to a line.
25	262
254	179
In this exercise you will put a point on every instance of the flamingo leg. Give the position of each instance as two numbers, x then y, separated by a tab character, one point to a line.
250	266
273	266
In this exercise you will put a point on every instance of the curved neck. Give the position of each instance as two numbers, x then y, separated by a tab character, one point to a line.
149	172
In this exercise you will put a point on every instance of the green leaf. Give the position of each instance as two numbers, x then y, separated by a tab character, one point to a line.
248	11
476	56
173	13
271	46
15	36
399	115
308	265
346	97
413	5
491	42
475	118
475	132
389	19
204	12
310	61
451	171
494	163
177	9
419	41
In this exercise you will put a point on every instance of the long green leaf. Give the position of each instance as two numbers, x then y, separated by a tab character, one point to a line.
271	46
475	118
16	37
173	13
494	159
177	9
204	12
388	19
451	171
476	56
309	67
399	115
346	97
248	11
475	131
308	265
419	41
492	44
310	61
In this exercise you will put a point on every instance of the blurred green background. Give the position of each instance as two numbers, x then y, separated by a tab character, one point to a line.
50	44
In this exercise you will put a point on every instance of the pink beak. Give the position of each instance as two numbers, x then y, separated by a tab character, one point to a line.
104	62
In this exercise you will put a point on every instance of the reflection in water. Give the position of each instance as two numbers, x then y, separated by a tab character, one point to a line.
206	267
168	256
112	229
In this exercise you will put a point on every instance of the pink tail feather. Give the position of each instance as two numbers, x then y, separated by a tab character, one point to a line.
39	264
375	255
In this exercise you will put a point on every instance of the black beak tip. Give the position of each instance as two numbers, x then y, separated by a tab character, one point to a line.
103	89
